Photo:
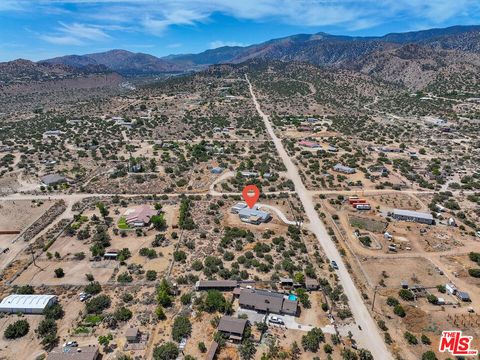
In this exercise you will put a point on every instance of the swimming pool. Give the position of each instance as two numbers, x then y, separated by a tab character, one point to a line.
292	297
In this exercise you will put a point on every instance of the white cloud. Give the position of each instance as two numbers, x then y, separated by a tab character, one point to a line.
219	43
174	46
156	16
75	34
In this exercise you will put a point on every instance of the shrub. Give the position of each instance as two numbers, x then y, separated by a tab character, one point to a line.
391	301
186	298
179	255
398	310
411	339
17	330
202	347
160	313
24	290
406	295
124	278
59	273
151	275
474	273
122	314
425	340
429	355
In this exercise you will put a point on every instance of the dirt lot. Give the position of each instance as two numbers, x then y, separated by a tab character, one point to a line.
30	348
17	215
402	269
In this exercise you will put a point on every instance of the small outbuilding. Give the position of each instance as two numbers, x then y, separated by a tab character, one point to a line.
132	335
311	284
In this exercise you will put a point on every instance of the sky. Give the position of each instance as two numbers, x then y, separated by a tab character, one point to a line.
42	29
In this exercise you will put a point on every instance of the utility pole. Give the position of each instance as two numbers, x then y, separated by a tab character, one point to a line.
374	296
33	255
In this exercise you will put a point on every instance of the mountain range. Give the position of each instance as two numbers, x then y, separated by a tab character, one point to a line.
411	58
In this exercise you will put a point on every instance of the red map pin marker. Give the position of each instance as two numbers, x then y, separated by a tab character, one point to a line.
250	194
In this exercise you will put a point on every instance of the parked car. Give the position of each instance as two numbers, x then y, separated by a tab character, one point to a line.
334	265
84	297
71	344
276	320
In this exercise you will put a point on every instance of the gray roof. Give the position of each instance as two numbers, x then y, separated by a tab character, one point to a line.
74	353
211	351
289	306
410	213
52	179
232	325
255	213
260	300
131	333
343	168
217	283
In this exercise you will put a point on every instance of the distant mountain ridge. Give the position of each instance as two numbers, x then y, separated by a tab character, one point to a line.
122	61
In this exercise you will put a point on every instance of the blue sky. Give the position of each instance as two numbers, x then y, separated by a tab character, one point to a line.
40	29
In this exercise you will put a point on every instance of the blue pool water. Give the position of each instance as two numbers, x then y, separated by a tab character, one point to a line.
292	297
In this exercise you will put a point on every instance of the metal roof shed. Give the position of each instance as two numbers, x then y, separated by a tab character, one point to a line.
27	304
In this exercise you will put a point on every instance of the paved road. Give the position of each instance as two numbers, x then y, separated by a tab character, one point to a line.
370	337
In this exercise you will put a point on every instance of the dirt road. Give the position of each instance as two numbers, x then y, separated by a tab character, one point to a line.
370	336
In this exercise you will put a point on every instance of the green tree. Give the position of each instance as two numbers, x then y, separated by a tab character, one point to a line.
214	301
159	222
17	330
54	312
182	327
166	351
311	341
247	349
93	288
97	304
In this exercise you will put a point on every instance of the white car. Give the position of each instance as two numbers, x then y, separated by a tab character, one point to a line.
84	296
276	320
70	344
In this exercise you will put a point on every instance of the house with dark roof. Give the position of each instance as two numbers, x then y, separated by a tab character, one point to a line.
232	328
267	301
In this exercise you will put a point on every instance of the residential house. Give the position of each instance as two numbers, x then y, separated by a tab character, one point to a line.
232	328
267	301
344	169
74	353
139	216
414	216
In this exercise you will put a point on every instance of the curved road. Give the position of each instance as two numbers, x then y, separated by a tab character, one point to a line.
370	337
